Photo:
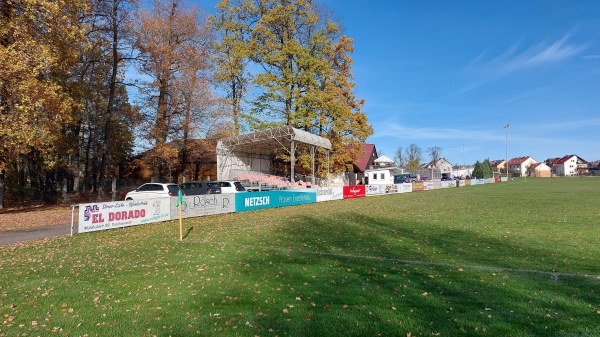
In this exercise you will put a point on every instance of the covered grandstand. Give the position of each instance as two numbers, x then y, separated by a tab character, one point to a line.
250	157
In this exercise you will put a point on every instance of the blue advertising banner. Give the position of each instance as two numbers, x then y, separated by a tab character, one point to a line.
270	199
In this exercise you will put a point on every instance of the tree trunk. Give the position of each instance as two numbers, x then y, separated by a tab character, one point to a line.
114	187
111	93
65	199
1	189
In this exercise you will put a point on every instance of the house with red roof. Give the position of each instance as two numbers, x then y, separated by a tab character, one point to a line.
519	165
365	160
539	170
570	165
498	165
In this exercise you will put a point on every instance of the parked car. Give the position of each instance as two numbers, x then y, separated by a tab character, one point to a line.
153	190
231	186
200	187
447	176
405	178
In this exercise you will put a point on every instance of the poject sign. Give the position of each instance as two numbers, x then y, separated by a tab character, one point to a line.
107	215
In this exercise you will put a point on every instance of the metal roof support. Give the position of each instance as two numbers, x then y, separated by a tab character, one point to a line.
262	144
292	161
312	163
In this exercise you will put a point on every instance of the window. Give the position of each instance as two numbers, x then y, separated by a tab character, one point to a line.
382	175
147	187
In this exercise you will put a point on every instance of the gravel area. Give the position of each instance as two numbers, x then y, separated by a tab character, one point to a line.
12	219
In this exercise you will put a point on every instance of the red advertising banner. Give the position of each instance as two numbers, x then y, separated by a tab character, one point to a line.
358	191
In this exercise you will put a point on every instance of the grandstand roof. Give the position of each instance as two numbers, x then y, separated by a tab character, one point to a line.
265	141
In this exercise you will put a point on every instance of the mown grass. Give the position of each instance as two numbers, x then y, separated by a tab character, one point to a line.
511	259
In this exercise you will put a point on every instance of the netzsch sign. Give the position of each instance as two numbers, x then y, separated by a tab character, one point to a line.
357	191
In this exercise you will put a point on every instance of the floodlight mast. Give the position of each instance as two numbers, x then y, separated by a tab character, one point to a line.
506	164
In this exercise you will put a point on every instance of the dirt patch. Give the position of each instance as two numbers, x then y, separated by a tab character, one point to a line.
32	217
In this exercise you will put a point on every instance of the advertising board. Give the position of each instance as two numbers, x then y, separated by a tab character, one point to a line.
375	189
201	205
417	186
404	188
270	199
117	214
329	193
357	191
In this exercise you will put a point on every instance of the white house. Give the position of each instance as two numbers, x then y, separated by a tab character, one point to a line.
570	165
442	165
520	165
382	173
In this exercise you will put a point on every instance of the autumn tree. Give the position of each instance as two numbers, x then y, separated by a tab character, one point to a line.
106	121
171	42
400	158
303	72
117	23
39	43
435	153
231	54
198	112
413	156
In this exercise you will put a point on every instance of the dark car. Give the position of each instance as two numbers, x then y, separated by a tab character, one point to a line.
200	187
405	178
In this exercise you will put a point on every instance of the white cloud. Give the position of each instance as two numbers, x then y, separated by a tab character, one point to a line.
541	54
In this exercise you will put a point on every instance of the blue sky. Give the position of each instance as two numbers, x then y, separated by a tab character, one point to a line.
452	73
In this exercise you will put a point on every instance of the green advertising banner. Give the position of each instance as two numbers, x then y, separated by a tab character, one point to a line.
270	199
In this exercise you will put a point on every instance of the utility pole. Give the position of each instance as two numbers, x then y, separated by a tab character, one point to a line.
506	164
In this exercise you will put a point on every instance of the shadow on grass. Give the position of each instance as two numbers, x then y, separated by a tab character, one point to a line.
360	275
189	230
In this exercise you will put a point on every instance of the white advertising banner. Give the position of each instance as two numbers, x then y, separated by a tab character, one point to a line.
448	184
375	189
404	188
117	214
427	185
201	205
330	193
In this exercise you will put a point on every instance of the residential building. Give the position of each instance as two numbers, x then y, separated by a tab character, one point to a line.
498	165
518	166
539	170
570	165
441	165
365	160
594	167
382	172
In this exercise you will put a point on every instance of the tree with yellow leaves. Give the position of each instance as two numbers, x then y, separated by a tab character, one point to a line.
38	45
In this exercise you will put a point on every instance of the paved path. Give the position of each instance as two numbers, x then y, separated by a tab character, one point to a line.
10	237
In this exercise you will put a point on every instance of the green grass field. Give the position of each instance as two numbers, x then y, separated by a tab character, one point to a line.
520	258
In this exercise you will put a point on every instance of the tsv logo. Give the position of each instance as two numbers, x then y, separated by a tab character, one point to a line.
89	210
